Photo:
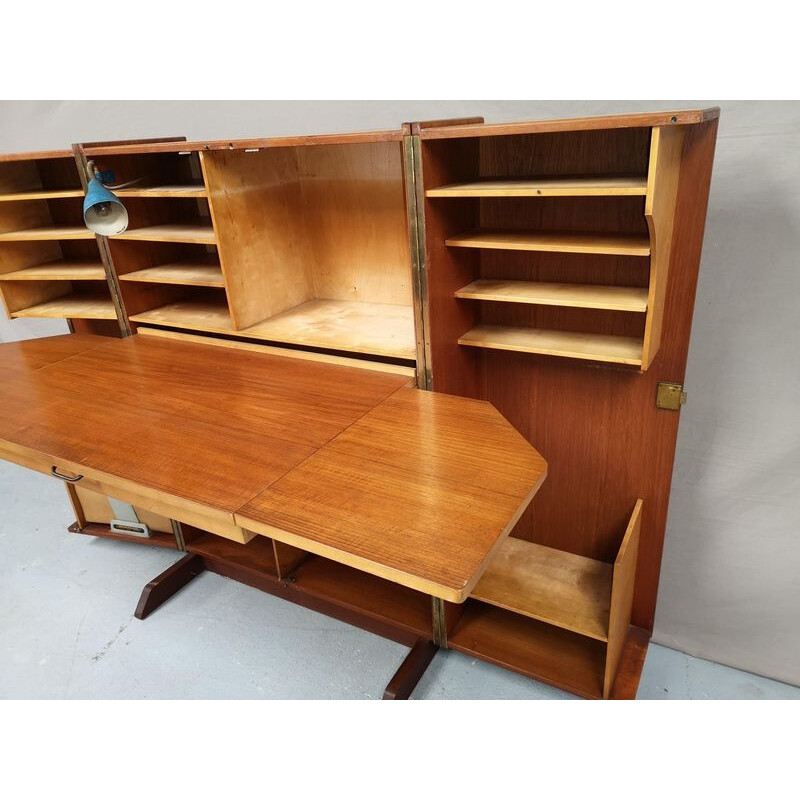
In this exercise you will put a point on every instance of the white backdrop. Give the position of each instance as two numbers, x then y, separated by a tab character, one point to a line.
730	581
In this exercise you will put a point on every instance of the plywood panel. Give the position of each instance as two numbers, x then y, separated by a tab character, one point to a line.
355	210
264	248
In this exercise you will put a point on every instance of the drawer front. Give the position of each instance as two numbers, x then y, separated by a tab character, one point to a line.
144	497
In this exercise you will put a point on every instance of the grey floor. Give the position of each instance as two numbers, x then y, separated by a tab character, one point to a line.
67	631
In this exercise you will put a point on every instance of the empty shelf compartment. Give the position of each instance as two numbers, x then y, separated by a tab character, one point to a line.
174	190
560	588
184	273
47	233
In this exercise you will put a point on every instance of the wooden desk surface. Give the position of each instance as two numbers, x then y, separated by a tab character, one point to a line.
348	463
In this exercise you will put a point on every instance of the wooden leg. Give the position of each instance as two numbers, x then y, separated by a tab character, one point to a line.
170	581
411	670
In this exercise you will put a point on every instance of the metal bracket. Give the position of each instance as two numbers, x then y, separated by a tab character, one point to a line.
126	521
439	622
670	396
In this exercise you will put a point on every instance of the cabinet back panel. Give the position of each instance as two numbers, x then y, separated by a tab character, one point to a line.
354	201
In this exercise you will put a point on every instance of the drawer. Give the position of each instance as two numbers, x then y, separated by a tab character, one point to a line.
142	497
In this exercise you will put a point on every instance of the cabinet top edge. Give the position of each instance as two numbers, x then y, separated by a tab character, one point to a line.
249	144
36	155
644	120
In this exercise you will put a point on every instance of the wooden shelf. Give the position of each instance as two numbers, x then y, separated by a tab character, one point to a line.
189	234
71	307
567	344
597	243
59	271
560	588
367	594
614	298
40	194
370	328
540	651
197	190
598	186
49	233
184	273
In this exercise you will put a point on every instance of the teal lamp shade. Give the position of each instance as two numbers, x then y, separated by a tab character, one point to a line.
103	212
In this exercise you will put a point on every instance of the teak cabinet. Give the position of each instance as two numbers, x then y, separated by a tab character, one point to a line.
548	268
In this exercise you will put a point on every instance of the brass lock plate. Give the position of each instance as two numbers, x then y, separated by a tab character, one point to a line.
670	396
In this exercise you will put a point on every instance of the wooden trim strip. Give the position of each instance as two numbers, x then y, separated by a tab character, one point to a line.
649	120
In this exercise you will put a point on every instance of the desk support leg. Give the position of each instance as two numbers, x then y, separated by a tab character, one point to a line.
411	670
172	580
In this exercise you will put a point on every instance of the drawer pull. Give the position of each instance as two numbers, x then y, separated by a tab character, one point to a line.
56	474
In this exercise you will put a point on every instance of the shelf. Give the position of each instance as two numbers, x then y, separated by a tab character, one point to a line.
613	298
598	243
71	307
589	346
599	186
532	648
40	194
370	328
49	233
189	234
560	588
197	190
59	271
184	273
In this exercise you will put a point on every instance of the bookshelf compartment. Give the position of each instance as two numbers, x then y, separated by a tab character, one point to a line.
40	194
174	190
48	233
612	298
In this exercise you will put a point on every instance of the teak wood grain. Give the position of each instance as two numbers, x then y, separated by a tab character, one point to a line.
430	484
605	441
404	484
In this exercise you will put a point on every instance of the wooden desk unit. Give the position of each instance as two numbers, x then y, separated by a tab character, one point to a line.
341	357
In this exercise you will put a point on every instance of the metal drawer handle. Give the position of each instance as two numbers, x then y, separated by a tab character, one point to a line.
56	474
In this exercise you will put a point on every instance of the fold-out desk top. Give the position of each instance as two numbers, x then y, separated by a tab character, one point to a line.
352	464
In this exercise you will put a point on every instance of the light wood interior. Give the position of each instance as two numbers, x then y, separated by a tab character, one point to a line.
553	242
71	306
312	249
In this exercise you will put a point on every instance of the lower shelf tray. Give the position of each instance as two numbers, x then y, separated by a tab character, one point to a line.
559	657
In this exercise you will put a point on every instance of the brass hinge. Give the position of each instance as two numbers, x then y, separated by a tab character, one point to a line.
670	396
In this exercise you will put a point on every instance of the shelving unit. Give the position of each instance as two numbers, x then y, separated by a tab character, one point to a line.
50	263
311	249
561	258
